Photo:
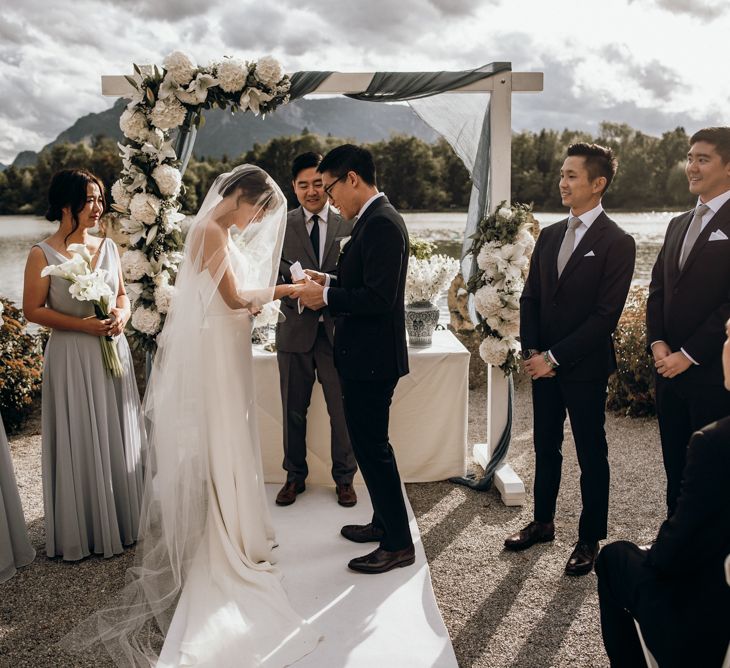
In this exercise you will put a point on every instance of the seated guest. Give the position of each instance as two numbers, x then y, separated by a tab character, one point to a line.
677	589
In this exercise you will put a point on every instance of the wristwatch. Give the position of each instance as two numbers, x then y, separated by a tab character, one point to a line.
548	361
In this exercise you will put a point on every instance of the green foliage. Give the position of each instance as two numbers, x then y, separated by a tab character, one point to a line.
631	388
21	364
421	249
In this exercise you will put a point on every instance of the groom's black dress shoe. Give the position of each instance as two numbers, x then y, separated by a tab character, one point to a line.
382	561
288	493
362	533
582	560
534	532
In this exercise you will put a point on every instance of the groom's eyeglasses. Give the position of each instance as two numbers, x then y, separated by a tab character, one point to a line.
328	189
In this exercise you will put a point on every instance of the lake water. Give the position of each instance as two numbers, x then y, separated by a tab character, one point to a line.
19	233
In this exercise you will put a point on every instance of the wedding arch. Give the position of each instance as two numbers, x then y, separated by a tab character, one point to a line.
165	112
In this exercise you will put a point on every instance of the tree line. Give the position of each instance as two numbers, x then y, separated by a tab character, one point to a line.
413	173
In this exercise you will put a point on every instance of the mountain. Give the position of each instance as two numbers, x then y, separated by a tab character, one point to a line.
233	134
3	166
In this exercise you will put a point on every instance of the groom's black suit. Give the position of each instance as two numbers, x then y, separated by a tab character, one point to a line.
574	316
367	298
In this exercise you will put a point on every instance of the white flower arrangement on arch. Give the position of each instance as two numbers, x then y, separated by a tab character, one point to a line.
501	250
165	100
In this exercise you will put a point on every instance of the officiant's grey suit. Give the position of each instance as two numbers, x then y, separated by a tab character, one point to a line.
304	348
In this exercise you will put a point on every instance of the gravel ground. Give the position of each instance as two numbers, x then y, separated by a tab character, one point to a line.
501	609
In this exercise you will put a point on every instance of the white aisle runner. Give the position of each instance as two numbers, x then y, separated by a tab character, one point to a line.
368	621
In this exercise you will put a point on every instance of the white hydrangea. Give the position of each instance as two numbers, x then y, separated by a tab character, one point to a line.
525	239
487	301
120	194
232	74
135	265
268	71
167	114
145	208
2	310
168	180
494	351
163	295
146	320
179	67
133	123
487	257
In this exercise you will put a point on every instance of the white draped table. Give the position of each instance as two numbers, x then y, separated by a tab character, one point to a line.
428	418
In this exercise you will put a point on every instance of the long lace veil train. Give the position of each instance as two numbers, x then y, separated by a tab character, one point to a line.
175	502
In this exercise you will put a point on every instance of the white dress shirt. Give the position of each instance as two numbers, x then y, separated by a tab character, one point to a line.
359	214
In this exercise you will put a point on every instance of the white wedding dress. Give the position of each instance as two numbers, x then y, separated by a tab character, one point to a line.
204	591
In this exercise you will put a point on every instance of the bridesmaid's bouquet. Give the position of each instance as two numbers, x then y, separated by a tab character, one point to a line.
89	285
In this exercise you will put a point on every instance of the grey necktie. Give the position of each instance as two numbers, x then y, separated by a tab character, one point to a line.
566	248
695	227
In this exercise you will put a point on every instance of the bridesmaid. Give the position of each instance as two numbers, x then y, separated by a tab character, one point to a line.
15	548
93	433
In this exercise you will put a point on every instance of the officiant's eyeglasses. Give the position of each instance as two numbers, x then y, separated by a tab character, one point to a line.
328	189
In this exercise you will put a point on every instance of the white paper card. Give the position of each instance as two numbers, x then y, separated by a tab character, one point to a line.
297	273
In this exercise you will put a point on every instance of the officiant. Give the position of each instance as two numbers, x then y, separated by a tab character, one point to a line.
314	232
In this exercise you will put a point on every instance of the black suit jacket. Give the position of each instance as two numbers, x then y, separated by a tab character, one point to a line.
367	297
574	316
298	331
689	308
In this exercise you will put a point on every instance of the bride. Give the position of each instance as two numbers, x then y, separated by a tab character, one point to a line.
204	585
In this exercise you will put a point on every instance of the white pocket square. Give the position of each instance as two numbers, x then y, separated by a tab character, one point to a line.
718	235
590	254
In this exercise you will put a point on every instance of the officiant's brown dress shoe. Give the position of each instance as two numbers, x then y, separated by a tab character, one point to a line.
382	561
534	532
288	493
362	533
582	560
346	495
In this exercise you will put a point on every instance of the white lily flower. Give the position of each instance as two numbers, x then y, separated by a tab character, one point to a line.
252	98
197	89
133	229
168	87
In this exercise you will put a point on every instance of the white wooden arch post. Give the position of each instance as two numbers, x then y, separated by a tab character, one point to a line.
500	86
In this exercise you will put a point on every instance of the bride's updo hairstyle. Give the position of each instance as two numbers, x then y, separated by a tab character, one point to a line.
69	189
252	186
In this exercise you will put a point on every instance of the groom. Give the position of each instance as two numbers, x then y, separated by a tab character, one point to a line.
366	299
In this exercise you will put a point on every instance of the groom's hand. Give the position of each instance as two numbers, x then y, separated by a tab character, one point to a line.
310	295
317	276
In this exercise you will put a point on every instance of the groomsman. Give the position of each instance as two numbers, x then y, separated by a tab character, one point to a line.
304	340
689	302
367	300
676	590
580	274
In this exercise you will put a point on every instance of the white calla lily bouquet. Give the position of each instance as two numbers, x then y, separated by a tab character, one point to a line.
89	285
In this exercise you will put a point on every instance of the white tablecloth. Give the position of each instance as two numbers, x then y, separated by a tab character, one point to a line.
428	418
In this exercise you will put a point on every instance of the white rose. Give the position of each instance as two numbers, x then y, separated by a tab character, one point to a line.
268	71
526	240
146	320
168	180
232	75
120	194
167	114
505	213
487	301
145	208
494	351
487	257
135	265
134	125
179	67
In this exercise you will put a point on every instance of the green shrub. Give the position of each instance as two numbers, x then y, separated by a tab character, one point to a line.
21	365
631	388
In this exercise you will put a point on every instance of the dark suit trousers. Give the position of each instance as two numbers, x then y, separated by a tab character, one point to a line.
585	404
684	407
296	376
367	409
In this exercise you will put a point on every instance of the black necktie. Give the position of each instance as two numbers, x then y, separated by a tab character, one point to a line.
314	236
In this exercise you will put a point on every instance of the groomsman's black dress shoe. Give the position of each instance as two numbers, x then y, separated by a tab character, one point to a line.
382	561
346	494
534	532
362	533
582	560
288	493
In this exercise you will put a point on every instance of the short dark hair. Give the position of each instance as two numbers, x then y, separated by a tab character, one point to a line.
304	161
68	189
349	158
719	137
599	160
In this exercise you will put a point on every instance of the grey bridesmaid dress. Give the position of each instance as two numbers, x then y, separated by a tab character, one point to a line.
15	548
93	432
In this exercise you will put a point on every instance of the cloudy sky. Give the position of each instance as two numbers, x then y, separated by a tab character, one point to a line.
655	64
